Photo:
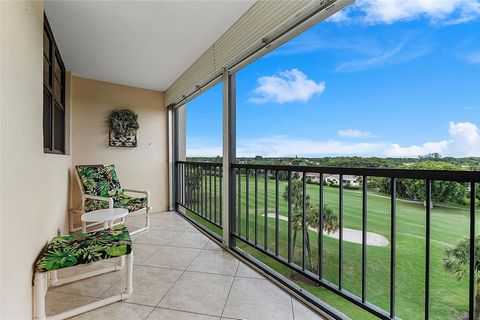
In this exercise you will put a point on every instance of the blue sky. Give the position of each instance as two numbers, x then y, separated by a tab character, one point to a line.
380	78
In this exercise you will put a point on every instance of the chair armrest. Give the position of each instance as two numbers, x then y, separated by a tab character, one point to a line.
137	191
109	200
147	193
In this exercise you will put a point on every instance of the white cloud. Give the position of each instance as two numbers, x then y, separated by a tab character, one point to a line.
390	11
401	53
473	58
204	151
395	150
339	16
352	133
465	139
287	86
283	146
464	142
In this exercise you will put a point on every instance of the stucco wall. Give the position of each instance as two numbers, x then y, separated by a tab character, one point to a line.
144	167
34	185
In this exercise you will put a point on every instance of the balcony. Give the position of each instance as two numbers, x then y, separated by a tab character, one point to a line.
180	273
231	238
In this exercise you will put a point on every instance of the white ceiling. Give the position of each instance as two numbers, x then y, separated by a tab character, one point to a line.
145	44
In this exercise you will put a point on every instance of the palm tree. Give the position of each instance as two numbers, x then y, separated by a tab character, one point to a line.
330	221
193	178
457	260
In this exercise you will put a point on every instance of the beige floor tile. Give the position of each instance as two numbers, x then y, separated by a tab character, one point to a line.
212	261
135	222
191	228
57	302
166	314
67	272
95	286
301	312
172	257
117	311
252	299
198	292
149	285
160	237
136	236
189	240
143	251
247	272
170	224
211	245
164	214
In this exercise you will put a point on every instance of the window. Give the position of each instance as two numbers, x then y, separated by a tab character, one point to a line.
204	125
53	94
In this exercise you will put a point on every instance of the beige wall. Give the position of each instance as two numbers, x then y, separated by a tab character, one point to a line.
144	167
34	185
34	189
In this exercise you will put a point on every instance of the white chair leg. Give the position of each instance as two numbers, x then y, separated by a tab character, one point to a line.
39	296
53	277
147	225
120	262
129	277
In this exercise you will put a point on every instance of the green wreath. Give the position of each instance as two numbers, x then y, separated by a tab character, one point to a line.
123	123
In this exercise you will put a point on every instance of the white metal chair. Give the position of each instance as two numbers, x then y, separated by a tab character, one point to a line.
101	189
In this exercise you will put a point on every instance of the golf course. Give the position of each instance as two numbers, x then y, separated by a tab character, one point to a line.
448	295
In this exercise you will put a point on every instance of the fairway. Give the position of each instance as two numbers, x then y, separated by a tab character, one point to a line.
449	297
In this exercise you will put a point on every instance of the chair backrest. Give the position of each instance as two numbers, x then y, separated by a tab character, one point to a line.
99	180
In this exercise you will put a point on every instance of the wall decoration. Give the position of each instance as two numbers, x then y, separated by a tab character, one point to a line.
123	126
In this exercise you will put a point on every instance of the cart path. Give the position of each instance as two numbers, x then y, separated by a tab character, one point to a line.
349	235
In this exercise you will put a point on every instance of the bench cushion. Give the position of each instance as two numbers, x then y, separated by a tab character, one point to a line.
123	201
76	249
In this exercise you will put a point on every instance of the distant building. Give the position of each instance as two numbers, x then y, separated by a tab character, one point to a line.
350	180
313	177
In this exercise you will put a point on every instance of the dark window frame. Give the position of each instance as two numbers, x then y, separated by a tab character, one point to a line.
54	135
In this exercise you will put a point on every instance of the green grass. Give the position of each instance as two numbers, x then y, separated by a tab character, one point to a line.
448	295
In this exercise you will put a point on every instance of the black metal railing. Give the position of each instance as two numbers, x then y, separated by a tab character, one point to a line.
284	199
273	207
199	190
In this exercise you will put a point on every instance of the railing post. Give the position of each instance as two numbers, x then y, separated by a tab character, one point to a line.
175	153
171	160
229	157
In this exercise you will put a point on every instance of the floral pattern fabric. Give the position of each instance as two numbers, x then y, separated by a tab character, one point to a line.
120	201
71	250
99	180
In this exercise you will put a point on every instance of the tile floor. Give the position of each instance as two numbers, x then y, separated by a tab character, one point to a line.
179	273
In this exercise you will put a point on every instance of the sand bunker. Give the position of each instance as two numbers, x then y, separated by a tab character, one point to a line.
350	235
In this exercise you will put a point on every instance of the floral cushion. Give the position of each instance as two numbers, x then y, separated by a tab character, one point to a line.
119	201
71	250
99	180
